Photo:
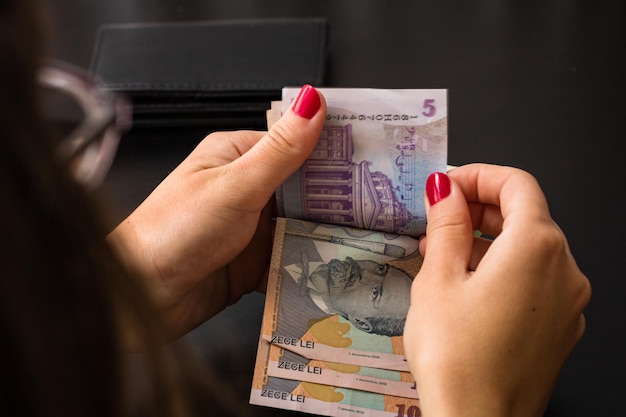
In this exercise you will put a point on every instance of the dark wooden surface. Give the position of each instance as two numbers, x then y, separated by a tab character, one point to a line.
536	84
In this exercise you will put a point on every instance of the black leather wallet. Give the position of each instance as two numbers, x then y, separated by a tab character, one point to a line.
219	74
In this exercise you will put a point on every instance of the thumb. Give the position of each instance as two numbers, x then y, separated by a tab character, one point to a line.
285	147
449	228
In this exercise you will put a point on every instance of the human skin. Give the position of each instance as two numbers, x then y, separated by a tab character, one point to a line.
203	238
491	323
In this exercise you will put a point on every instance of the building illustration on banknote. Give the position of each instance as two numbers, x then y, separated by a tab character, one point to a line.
337	190
371	161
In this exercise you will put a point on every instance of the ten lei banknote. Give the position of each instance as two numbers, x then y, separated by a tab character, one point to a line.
335	305
339	284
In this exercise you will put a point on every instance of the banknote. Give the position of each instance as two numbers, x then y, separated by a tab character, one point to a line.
321	399
334	289
339	294
289	365
332	348
368	170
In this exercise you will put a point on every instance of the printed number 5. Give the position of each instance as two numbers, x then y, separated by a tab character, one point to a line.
429	107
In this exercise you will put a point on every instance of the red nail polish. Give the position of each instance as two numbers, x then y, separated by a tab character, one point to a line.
307	103
437	187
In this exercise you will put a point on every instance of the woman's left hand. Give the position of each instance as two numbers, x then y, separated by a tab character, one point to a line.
203	238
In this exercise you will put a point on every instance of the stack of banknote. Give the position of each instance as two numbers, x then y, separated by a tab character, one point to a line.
345	253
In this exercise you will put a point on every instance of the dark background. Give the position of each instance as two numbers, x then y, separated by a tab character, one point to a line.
533	84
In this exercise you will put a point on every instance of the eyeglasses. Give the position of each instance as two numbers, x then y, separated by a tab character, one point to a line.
90	118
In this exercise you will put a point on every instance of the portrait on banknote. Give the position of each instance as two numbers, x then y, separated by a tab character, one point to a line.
332	270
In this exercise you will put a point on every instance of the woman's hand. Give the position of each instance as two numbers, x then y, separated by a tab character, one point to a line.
203	237
492	322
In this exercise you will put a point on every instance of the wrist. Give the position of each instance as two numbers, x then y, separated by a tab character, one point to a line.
465	399
475	401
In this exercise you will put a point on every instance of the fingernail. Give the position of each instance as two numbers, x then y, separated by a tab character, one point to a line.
307	103
437	187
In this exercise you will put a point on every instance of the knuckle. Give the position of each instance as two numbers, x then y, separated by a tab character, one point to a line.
547	241
550	244
447	222
584	291
551	236
280	138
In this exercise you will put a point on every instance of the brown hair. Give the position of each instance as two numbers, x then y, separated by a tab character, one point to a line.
65	301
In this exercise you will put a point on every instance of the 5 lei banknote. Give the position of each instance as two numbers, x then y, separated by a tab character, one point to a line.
368	170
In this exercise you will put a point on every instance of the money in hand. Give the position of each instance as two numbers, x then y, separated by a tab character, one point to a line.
345	253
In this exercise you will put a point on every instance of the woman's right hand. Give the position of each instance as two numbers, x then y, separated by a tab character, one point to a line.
491	322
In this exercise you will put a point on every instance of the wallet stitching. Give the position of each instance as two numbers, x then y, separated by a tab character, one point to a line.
201	86
315	78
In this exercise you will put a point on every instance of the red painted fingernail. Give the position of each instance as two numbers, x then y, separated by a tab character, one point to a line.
307	103
437	187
